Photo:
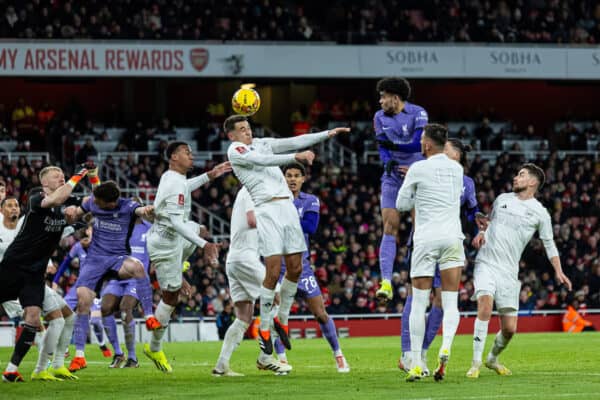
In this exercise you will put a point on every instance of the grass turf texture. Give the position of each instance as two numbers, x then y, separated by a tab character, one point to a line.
544	366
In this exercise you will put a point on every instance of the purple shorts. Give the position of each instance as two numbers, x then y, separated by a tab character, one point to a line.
308	287
95	267
121	288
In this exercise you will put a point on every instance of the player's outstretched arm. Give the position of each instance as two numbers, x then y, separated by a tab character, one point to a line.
60	195
303	141
217	171
242	155
186	231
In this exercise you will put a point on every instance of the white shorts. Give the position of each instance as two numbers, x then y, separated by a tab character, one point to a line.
52	302
278	227
167	253
448	254
504	289
245	279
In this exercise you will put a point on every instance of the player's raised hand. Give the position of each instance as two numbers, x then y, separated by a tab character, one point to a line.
478	240
562	278
306	157
211	253
219	170
336	131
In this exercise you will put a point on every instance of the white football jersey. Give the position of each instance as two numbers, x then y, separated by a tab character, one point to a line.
512	225
257	168
244	240
7	236
433	187
172	197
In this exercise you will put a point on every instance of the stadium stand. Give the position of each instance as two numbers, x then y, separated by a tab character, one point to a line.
358	22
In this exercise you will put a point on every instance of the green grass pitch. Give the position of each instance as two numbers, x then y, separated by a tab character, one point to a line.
545	366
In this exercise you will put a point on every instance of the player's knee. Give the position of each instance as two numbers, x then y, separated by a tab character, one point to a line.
390	227
509	331
32	316
322	317
106	310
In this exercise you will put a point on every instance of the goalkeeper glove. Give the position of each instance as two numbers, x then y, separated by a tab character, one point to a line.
92	172
77	177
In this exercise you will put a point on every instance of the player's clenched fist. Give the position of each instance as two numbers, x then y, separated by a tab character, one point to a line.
305	157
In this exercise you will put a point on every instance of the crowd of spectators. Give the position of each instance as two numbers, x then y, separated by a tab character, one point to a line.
344	251
357	21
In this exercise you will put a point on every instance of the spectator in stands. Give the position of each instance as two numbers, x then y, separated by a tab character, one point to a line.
165	128
86	152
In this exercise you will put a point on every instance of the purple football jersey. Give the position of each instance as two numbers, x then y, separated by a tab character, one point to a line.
400	129
112	228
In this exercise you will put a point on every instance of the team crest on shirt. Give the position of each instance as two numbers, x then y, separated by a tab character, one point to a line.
241	149
180	200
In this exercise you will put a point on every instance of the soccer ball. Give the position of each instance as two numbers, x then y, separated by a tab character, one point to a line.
245	101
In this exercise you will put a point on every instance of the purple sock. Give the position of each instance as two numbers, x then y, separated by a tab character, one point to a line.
405	325
144	292
129	329
98	328
111	331
328	329
387	254
279	348
434	320
80	333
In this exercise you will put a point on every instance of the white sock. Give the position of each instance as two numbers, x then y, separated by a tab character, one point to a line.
287	294
163	315
480	332
11	367
233	338
79	353
450	320
267	297
49	342
420	302
63	342
500	344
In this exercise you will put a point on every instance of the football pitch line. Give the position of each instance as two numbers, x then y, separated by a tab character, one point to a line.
511	396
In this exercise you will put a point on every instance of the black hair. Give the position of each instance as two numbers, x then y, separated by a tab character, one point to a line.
437	133
172	148
537	172
462	148
397	86
229	124
8	198
295	165
107	191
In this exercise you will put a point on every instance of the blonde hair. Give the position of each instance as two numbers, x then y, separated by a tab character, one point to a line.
48	169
